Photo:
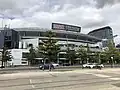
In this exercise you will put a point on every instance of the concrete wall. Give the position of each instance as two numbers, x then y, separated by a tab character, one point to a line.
1	40
17	57
24	43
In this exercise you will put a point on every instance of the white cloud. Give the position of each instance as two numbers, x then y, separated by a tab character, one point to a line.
89	14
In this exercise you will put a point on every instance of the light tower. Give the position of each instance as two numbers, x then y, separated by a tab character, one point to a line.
5	17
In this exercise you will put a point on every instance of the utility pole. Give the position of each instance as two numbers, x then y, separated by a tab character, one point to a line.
4	49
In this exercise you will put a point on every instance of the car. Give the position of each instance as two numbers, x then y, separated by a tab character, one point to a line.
93	65
2	66
55	64
89	65
99	66
66	64
46	66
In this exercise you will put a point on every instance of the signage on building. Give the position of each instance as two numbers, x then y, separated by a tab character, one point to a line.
58	26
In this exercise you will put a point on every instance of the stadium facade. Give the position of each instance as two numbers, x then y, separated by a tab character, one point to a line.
104	33
67	36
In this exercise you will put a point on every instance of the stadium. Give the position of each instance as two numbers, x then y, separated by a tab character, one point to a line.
67	36
104	33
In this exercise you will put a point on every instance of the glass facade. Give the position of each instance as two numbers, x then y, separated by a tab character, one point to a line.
66	36
104	33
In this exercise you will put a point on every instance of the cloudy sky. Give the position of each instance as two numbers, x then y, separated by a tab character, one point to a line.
89	14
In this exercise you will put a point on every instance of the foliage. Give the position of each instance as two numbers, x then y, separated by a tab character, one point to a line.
97	57
6	56
71	56
111	52
48	48
82	54
31	56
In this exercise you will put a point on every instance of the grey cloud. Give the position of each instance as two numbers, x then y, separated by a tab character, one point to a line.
65	11
6	4
102	3
29	7
21	7
94	24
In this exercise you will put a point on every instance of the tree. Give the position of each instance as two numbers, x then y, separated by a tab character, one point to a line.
111	53
97	57
6	56
48	48
71	56
82	54
31	56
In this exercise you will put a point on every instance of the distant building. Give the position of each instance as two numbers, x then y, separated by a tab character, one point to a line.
66	38
17	57
104	33
22	39
9	38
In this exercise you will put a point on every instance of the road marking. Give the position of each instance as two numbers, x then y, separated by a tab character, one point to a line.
114	78
104	76
31	83
99	75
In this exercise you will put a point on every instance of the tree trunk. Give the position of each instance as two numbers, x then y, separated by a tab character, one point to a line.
49	63
70	62
5	64
29	63
49	67
2	63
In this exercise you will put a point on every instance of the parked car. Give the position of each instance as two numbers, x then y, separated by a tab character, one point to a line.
93	65
89	65
99	66
2	66
46	66
55	64
66	64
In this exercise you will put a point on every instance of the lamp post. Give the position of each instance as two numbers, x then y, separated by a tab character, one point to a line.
112	63
58	58
4	51
99	59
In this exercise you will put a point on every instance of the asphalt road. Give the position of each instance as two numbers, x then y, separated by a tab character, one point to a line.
23	68
106	79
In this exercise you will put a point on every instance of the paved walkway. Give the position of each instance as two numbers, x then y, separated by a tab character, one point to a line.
86	79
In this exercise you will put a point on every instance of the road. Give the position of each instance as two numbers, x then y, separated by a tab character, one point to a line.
24	68
87	79
60	67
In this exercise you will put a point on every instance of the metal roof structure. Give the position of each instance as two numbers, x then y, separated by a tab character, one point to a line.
95	30
36	29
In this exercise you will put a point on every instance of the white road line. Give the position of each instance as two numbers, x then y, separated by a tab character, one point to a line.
31	83
104	76
114	78
99	75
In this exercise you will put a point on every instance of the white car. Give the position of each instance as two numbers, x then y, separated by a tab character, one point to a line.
100	65
92	65
89	65
55	64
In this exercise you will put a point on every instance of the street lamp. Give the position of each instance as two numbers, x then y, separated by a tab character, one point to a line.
58	58
112	61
